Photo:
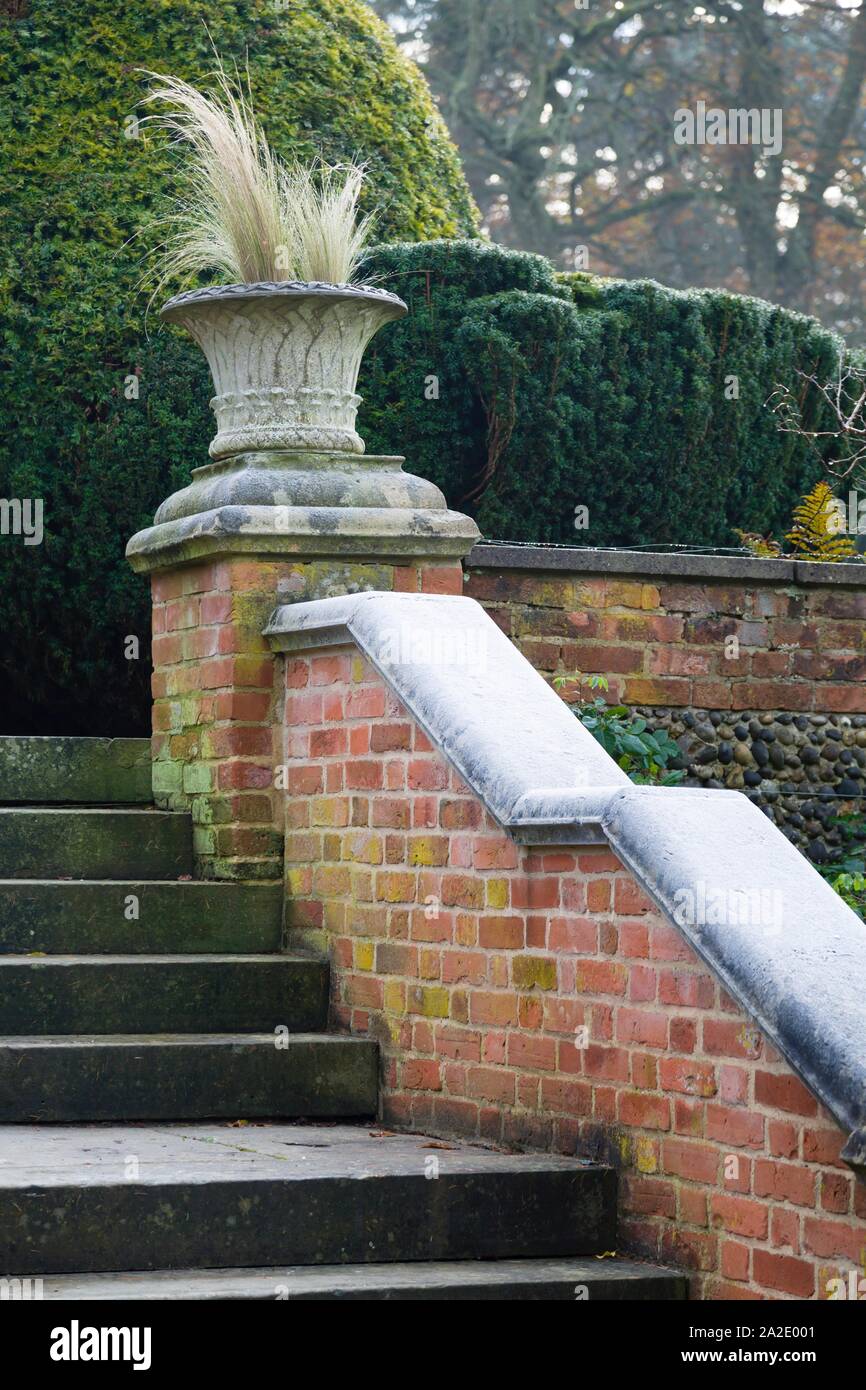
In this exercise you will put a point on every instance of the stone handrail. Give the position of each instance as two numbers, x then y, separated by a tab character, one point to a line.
782	942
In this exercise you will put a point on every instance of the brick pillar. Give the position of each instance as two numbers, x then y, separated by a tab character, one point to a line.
216	713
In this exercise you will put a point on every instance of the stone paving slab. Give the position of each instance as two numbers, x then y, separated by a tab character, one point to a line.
524	1280
35	1156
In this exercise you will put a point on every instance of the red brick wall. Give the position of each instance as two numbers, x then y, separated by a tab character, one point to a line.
659	643
533	997
662	641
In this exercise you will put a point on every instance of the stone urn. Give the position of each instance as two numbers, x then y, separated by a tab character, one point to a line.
284	360
289	472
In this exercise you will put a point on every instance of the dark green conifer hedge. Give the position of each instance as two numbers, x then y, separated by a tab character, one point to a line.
644	404
522	392
78	181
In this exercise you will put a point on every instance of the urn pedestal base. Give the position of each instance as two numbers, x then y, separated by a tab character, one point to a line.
306	504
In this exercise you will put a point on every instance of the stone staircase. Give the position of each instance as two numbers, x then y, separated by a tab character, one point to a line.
171	1104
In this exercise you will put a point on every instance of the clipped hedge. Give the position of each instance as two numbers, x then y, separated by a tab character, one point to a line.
563	390
442	434
328	78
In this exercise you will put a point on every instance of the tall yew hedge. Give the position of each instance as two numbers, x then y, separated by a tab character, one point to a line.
521	392
79	179
645	405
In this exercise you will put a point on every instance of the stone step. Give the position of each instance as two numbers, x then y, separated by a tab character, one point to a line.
80	1200
162	994
99	770
80	1079
118	917
591	1280
113	844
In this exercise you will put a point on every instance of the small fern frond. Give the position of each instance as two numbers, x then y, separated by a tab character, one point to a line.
763	547
817	530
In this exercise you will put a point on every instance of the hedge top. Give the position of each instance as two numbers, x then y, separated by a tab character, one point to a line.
83	174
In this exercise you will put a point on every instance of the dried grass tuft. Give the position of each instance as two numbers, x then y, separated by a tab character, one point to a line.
243	213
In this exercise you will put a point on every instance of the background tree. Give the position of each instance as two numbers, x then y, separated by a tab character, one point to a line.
565	119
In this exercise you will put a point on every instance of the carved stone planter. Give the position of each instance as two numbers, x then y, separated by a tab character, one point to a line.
284	360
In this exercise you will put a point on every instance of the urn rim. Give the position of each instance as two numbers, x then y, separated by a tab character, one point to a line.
280	289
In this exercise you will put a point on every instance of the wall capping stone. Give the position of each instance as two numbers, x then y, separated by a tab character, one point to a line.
535	767
271	532
660	564
557	786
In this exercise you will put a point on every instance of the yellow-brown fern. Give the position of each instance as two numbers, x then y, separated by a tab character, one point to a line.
815	533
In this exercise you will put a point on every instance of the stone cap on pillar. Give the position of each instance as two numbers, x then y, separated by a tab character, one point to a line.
303	504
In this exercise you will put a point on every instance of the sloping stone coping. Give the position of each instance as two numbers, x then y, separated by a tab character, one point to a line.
782	942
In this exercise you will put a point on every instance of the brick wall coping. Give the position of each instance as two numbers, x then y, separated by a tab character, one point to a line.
782	942
649	564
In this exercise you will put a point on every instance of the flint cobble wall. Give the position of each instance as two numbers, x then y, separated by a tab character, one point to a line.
756	668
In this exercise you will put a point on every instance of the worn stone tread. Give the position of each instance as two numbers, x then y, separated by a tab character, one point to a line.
90	916
561	1280
213	1196
86	1154
162	994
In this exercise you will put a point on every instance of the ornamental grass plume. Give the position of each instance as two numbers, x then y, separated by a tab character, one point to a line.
243	213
